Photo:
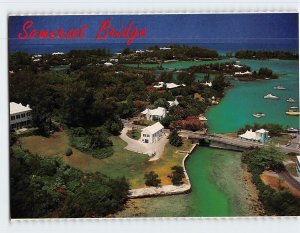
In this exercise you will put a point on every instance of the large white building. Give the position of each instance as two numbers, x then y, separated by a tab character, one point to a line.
154	114
153	133
260	135
20	115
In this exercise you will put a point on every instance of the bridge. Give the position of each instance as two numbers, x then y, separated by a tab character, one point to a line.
229	143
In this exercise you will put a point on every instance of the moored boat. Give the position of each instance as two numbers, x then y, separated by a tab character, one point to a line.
292	130
279	88
291	100
270	96
258	115
292	112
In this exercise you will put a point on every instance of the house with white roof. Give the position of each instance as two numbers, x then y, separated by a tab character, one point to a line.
165	48
20	115
173	103
209	84
154	114
153	133
168	85
260	135
298	165
58	53
237	66
243	73
107	64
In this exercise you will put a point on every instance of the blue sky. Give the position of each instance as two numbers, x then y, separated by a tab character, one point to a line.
172	28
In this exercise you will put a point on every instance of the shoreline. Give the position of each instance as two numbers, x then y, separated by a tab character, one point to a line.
254	204
165	190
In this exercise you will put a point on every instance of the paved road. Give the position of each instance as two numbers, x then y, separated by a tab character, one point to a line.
289	179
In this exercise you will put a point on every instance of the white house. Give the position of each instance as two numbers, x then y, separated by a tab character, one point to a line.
243	73
165	48
209	84
298	165
20	115
154	114
168	85
58	53
260	135
173	103
153	133
107	64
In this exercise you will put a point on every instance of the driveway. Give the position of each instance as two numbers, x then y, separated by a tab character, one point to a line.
155	150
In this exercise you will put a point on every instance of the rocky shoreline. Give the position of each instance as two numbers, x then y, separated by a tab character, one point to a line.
255	205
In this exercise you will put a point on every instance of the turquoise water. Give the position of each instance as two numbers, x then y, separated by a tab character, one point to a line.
246	98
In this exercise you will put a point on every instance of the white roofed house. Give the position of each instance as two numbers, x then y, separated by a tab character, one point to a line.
20	115
154	114
173	103
260	135
153	133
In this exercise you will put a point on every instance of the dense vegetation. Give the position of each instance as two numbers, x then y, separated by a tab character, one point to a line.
46	187
274	129
278	202
154	54
232	69
250	54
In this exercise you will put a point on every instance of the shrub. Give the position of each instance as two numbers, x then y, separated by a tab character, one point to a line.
68	152
177	175
151	179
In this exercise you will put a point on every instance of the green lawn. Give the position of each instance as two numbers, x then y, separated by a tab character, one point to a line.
283	139
121	163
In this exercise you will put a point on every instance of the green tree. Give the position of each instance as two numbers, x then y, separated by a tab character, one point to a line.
186	78
151	179
177	175
175	139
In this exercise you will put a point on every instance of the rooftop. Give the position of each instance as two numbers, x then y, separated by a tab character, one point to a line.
250	135
153	128
155	112
17	108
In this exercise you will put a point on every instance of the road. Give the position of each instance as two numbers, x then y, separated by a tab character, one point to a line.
289	179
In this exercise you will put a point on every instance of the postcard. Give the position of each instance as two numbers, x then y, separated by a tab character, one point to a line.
154	115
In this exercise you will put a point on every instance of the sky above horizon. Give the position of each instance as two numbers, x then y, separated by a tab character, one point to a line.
169	28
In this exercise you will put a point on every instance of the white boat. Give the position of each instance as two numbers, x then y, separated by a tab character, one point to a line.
291	100
292	130
293	107
270	96
280	88
258	115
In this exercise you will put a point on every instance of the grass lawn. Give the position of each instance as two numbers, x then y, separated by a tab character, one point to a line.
283	139
122	163
134	134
